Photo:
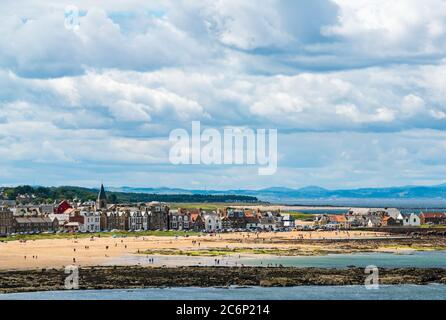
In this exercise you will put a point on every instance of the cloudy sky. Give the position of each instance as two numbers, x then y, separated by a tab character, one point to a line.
356	89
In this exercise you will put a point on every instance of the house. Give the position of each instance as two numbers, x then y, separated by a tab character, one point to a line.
235	219
212	221
389	221
6	221
179	220
321	219
197	221
158	216
288	221
411	220
114	220
138	220
267	223
433	218
75	216
61	218
252	223
338	221
394	213
35	224
63	206
373	221
72	226
47	208
92	221
270	220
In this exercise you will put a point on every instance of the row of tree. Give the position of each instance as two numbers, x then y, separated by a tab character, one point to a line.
51	194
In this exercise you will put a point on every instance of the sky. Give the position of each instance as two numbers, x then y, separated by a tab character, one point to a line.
355	88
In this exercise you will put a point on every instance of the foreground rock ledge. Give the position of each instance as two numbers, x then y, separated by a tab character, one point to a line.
143	277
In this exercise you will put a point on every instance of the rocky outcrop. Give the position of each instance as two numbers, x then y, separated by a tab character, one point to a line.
142	277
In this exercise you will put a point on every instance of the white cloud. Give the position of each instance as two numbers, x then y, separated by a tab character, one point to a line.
330	75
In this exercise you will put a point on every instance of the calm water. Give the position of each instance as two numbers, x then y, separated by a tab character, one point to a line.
416	259
400	292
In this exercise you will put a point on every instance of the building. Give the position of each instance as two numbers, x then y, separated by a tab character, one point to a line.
180	220
6	221
339	220
373	221
270	220
138	220
212	221
62	218
234	219
158	218
47	208
35	224
115	220
63	206
433	218
252	223
101	202
197	221
411	220
288	221
394	213
92	221
389	221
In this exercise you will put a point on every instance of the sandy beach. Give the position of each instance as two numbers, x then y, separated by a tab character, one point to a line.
56	253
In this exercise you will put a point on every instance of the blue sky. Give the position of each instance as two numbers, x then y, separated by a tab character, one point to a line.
356	89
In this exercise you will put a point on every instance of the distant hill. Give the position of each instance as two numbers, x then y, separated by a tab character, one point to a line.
52	194
314	192
311	194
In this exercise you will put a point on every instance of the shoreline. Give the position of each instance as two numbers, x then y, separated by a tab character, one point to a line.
134	277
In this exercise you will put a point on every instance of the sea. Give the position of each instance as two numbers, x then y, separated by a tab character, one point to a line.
383	292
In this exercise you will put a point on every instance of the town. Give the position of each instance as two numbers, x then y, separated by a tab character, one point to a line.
100	216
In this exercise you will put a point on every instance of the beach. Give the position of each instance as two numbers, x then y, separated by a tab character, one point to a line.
106	251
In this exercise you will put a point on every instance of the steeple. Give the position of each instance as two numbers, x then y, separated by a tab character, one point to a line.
101	202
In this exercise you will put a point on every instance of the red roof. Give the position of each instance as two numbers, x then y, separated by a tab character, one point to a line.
438	215
337	218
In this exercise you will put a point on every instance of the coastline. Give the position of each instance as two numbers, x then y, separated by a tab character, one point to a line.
106	251
134	277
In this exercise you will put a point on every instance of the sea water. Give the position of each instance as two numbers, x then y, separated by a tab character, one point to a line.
388	292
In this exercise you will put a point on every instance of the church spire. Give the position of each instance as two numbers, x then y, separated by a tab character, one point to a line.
101	202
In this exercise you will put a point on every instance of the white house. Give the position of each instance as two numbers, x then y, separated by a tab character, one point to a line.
288	221
212	221
395	214
411	220
92	221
